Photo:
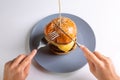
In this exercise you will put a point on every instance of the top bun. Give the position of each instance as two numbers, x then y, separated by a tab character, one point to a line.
67	25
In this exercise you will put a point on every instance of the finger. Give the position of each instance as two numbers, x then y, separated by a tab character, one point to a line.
27	68
103	58
91	66
89	55
28	59
100	56
18	60
8	64
32	54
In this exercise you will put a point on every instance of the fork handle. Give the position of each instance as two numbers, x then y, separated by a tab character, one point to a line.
78	44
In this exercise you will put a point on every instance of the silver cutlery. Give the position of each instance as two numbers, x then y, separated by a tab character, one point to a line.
51	37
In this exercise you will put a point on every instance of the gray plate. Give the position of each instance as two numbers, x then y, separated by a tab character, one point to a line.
64	63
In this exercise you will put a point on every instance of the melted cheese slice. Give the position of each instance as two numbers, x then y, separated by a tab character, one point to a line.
65	47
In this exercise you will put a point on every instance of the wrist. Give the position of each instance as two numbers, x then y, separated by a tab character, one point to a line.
111	78
116	77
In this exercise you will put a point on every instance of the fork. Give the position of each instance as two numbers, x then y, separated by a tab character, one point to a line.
51	37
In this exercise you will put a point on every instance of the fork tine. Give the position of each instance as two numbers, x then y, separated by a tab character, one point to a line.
53	35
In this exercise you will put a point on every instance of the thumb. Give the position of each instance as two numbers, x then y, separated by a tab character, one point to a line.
32	54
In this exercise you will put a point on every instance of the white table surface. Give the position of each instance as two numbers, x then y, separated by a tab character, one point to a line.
17	18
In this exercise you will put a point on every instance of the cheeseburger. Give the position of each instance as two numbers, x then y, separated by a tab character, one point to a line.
61	44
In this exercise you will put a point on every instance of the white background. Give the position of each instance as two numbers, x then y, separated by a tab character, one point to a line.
17	18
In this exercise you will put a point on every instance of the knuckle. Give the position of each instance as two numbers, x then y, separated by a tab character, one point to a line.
18	70
21	55
26	61
7	64
107	60
101	65
95	52
12	67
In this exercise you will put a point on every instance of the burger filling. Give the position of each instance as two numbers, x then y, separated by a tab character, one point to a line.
56	49
64	47
61	47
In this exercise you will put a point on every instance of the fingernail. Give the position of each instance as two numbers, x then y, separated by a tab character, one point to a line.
34	51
